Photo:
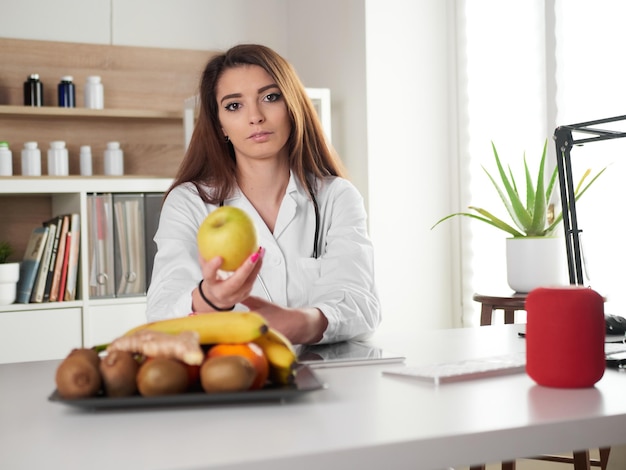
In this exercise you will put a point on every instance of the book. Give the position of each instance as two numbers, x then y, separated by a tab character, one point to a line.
36	295
72	262
66	257
58	221
30	263
130	258
58	265
152	214
101	250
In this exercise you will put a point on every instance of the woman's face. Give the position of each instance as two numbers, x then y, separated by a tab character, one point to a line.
253	113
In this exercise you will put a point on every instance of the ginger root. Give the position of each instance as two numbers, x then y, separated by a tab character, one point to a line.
184	346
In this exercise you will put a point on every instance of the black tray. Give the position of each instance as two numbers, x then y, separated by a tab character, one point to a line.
306	381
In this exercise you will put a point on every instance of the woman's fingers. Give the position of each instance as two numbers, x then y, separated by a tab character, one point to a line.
211	267
236	287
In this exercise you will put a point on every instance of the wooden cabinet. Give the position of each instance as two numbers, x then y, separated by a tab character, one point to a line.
145	91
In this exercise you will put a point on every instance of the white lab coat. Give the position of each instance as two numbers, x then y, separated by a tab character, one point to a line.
340	282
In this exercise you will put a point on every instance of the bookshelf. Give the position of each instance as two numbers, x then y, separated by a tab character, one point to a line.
145	89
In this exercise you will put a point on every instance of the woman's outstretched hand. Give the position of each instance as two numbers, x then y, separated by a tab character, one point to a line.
299	325
226	289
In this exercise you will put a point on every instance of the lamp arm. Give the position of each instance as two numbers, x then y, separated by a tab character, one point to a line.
563	141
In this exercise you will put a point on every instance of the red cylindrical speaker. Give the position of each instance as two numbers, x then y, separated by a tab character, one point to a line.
565	334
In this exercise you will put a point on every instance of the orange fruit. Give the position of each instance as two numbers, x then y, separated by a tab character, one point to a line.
250	351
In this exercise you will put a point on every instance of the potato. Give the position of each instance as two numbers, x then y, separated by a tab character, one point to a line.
162	376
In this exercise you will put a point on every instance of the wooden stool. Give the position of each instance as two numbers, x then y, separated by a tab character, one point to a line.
490	303
509	304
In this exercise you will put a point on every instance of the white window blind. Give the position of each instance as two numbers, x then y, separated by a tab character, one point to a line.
502	99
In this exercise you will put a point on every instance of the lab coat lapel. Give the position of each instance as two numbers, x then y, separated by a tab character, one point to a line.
287	211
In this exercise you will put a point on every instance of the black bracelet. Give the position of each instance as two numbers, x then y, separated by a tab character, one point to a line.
213	306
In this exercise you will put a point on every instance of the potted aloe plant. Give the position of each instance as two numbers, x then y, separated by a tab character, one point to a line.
532	231
9	274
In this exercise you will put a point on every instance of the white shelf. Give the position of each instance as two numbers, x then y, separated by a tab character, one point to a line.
85	321
40	306
81	184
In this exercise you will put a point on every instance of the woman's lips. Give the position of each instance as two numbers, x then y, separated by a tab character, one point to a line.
260	136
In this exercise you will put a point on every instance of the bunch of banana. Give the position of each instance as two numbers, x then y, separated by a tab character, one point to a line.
233	328
280	354
214	328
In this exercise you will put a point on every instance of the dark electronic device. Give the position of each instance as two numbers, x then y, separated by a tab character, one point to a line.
615	324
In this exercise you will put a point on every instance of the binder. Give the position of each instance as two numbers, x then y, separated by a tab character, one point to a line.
152	214
100	238
130	257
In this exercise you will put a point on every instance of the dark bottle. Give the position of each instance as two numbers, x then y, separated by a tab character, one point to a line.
67	93
33	91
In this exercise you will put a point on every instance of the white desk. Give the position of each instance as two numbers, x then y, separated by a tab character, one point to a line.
364	420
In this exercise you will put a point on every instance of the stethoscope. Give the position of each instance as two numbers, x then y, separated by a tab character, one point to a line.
315	254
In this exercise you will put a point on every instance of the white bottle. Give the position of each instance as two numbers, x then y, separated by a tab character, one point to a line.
94	93
113	159
6	160
58	159
31	159
85	160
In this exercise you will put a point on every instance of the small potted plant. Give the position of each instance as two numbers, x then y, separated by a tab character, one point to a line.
533	223
9	274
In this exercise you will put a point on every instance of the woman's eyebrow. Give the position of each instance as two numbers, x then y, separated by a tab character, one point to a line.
239	95
267	87
232	95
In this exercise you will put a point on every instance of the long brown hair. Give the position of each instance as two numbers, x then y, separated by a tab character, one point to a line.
210	159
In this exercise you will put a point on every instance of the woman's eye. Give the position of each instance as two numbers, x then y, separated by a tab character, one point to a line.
232	106
272	97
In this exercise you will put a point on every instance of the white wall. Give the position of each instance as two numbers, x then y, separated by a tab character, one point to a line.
411	132
327	48
386	64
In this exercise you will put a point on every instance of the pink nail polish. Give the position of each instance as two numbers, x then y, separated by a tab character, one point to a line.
257	254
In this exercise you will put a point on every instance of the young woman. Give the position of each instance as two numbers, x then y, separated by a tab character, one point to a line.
258	145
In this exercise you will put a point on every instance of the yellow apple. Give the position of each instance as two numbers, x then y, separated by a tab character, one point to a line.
227	232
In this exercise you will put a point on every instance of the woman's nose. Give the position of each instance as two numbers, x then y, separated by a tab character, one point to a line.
256	116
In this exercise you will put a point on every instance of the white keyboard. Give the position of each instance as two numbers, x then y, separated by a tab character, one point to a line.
614	347
476	368
464	370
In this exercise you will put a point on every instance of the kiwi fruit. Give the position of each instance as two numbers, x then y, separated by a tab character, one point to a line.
78	375
227	374
90	354
119	373
162	376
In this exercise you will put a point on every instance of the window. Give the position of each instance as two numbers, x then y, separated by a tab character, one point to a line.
524	68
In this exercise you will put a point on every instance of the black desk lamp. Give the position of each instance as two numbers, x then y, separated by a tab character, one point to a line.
564	143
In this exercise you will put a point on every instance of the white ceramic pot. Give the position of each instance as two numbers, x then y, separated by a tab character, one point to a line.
533	262
9	275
